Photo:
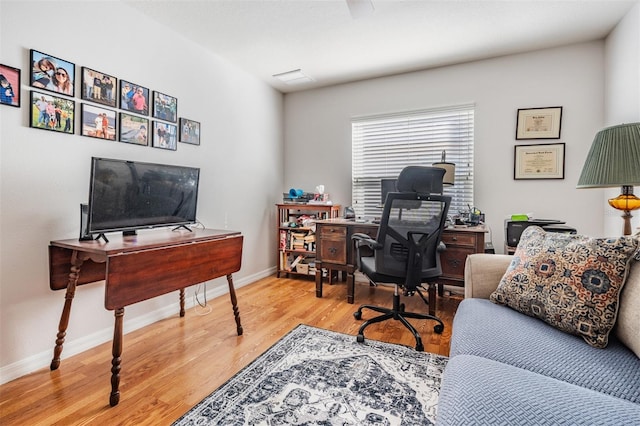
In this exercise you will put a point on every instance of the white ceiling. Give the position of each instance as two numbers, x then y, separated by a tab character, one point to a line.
320	37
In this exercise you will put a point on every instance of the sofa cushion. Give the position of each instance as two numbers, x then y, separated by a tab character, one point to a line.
479	391
572	282
497	332
628	326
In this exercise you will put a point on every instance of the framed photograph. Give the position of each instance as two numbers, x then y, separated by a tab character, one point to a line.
99	87
544	161
9	86
98	122
165	107
539	123
165	135
189	131
50	112
53	74
134	129
134	98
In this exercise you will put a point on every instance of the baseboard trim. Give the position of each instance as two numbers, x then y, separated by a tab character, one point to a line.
73	347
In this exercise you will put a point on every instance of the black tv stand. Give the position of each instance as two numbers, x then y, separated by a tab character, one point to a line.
130	233
104	237
182	226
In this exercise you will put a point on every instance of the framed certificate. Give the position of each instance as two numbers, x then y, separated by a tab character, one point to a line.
539	123
544	161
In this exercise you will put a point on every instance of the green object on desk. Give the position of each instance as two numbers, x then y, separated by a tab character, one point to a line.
519	217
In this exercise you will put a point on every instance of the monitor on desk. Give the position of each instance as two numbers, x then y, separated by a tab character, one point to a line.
387	186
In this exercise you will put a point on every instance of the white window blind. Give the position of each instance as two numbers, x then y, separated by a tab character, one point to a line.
383	145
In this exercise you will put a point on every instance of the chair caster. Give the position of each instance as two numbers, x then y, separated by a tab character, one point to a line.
438	328
357	315
360	338
419	347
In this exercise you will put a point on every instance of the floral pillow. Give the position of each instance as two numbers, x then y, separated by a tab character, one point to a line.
571	282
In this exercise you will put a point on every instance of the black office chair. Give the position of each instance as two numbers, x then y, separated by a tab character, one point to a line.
407	249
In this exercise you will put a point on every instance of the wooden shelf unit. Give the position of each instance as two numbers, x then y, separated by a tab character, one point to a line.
299	240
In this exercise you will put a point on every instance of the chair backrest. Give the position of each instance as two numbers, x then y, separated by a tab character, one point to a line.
411	227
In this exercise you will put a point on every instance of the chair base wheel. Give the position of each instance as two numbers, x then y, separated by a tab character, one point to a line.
357	315
438	328
360	338
419	347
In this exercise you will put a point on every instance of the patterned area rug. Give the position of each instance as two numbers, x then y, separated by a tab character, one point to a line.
318	377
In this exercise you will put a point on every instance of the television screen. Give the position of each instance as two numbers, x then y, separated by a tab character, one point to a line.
130	195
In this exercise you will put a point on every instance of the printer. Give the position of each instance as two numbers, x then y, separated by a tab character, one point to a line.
513	229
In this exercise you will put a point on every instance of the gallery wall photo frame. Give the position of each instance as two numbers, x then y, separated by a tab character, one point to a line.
49	112
51	73
134	98
539	161
539	123
98	122
165	136
9	86
134	129
189	131
99	87
165	107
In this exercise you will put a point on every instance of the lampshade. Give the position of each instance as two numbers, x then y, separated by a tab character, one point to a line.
614	160
450	170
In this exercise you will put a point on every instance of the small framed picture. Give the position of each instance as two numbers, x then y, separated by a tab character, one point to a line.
134	129
539	123
165	107
50	112
98	122
165	135
544	161
134	98
53	74
9	86
99	87
189	131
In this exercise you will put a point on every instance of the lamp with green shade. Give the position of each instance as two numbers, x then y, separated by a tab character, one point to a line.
614	160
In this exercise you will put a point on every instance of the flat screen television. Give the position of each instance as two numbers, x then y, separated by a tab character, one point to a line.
130	195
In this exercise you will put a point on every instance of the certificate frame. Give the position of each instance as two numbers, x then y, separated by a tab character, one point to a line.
539	123
539	161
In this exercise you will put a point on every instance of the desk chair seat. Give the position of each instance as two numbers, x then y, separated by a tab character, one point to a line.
406	251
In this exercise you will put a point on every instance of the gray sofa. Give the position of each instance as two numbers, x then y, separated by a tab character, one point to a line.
511	369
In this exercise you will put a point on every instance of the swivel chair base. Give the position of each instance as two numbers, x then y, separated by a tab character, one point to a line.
399	314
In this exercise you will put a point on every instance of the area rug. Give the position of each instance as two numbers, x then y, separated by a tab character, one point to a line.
318	377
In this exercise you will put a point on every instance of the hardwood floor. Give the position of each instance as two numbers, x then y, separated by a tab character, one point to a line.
171	365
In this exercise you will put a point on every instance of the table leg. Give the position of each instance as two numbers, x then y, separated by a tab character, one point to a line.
234	303
76	264
318	279
116	351
432	299
351	285
182	302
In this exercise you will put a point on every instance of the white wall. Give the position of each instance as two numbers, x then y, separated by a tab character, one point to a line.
622	95
318	130
45	175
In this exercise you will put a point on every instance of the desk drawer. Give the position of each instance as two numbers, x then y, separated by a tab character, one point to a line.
333	251
466	239
333	232
452	261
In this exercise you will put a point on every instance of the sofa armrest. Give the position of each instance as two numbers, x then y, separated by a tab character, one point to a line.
482	273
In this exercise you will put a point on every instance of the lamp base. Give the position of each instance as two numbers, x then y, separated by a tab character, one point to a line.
626	202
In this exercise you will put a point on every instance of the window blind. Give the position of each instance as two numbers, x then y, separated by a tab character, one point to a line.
383	145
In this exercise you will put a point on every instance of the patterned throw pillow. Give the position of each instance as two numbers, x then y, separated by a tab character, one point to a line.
571	282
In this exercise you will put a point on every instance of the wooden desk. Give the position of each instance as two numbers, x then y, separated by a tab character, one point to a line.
335	251
138	268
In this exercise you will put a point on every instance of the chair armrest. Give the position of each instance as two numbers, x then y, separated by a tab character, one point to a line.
365	240
483	272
